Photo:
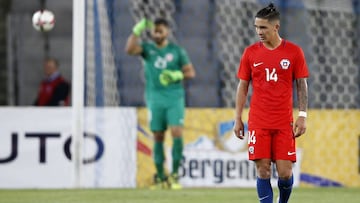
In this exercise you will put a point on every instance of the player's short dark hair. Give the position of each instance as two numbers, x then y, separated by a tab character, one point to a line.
270	13
161	21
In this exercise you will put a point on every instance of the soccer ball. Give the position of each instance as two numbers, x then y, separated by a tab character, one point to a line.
43	20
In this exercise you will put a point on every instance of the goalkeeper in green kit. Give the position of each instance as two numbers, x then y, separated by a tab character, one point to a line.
166	66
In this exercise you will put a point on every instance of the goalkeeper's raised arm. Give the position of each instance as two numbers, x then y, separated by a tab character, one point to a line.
132	45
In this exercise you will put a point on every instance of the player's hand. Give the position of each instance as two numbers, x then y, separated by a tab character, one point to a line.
239	129
167	76
300	126
142	25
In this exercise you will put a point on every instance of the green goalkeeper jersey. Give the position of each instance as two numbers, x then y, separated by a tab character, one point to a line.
170	57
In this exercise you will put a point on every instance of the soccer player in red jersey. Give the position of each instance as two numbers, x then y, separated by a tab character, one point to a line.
272	64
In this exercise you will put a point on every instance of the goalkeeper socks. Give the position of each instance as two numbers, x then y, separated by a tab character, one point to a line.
264	190
159	158
285	188
177	151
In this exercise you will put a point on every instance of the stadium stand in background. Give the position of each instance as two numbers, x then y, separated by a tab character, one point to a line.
214	32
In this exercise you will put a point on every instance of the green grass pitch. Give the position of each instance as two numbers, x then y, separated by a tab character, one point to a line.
196	195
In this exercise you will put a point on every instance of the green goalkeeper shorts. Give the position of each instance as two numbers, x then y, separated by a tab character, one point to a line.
163	114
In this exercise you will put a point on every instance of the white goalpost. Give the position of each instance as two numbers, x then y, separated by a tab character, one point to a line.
78	68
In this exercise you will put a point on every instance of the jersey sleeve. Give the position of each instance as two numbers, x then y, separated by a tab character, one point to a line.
183	57
301	69
244	70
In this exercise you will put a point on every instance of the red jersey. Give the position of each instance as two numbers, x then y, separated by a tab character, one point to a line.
272	73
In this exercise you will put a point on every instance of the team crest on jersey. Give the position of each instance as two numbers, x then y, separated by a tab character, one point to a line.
285	63
251	149
169	57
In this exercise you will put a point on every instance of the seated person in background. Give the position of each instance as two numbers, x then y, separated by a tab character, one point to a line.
54	89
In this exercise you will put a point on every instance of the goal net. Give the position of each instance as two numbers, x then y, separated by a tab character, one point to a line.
100	75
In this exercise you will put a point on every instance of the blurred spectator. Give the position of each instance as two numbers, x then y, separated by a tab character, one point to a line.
54	89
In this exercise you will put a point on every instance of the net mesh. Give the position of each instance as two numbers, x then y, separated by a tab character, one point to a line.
333	58
235	32
101	78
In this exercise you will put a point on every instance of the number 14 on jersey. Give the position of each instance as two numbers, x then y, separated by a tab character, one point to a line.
271	75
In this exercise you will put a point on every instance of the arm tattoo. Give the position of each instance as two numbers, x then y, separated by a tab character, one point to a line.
302	93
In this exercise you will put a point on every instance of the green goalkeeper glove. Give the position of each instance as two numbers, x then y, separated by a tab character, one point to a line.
142	25
170	76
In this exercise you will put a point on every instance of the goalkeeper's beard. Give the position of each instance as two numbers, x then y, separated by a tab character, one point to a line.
159	40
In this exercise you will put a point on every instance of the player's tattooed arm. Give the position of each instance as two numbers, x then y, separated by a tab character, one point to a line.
302	93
